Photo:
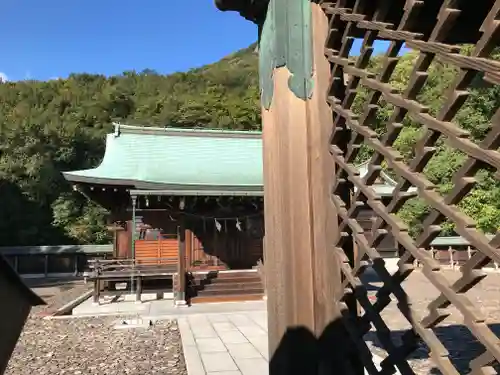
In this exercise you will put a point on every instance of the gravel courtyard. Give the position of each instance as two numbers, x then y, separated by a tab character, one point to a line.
456	338
92	346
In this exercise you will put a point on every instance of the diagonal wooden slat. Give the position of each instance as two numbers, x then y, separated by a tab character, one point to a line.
436	38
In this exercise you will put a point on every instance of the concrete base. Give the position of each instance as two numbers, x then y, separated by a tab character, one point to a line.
147	296
180	303
162	309
133	324
126	304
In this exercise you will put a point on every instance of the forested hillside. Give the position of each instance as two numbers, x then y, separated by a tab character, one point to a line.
46	127
59	125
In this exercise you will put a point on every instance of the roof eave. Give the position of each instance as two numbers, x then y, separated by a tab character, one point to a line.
172	189
77	177
212	192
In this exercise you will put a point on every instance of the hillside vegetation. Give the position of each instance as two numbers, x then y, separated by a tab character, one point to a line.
59	125
47	127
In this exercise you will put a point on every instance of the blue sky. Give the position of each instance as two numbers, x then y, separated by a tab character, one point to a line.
53	38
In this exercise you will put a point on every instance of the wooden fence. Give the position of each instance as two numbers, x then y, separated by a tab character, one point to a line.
73	260
54	261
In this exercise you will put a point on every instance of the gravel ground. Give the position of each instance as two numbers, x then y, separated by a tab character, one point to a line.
457	339
91	346
56	295
81	346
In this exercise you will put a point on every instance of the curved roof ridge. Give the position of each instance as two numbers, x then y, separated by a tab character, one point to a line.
171	131
186	160
363	170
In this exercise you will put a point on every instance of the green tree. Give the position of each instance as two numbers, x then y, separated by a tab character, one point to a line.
49	127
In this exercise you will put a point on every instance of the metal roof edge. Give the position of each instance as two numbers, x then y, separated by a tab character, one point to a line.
199	132
455	240
183	189
75	176
385	176
206	193
56	249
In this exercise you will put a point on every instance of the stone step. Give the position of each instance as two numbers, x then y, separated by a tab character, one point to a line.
226	280
231	286
230	275
228	298
223	292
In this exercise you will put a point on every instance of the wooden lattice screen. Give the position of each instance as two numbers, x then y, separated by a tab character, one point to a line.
436	31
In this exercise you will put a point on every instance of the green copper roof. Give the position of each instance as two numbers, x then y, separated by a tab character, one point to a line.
176	159
383	186
187	161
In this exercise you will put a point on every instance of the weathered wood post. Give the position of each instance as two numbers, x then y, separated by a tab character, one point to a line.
180	299
133	238
303	273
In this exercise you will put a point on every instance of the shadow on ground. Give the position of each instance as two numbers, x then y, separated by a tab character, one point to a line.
460	343
46	288
341	347
63	284
462	346
301	353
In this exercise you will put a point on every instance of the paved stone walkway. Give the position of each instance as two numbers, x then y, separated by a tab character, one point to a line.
231	338
225	344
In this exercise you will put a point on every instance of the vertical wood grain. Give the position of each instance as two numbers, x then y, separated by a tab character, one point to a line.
303	274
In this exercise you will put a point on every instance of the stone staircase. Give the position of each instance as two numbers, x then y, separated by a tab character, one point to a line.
225	286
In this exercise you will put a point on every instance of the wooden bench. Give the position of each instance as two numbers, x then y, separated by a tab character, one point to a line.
106	274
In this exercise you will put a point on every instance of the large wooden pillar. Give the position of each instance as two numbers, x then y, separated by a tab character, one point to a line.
302	270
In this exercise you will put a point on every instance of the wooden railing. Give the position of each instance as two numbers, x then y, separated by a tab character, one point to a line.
101	266
73	260
105	274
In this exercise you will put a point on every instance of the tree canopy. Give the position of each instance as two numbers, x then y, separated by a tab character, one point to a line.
483	202
48	127
59	125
